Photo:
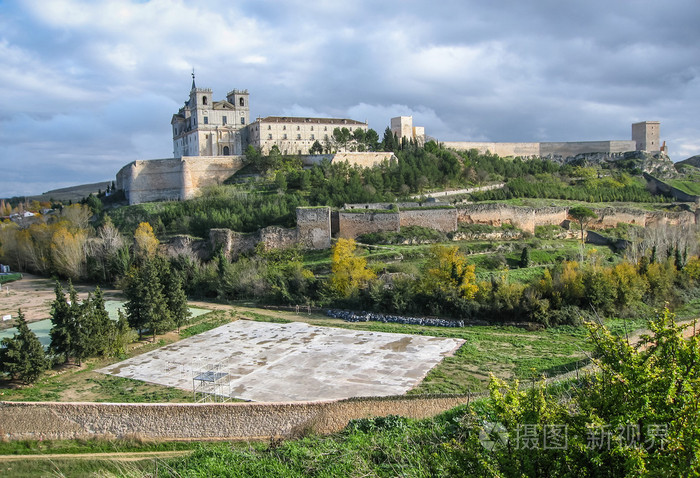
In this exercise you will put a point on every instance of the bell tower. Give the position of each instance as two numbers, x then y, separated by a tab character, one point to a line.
239	100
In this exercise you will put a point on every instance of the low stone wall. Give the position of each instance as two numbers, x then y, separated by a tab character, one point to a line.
221	421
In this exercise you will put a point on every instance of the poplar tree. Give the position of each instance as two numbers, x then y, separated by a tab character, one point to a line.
22	356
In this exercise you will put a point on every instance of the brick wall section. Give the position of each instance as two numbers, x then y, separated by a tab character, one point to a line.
443	220
231	421
352	224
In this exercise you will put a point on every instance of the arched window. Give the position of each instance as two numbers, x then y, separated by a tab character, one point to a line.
226	151
241	102
204	100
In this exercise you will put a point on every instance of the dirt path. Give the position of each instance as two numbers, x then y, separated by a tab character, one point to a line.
126	456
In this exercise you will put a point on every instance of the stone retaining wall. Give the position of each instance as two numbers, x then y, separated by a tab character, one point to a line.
221	421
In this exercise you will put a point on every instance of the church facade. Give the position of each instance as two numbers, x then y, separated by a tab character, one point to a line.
204	127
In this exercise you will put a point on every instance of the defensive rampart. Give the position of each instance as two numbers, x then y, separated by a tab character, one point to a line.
353	224
546	149
221	421
174	179
443	220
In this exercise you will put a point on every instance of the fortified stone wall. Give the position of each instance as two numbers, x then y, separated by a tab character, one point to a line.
501	149
229	421
153	180
566	149
353	224
443	220
314	227
202	171
498	215
174	179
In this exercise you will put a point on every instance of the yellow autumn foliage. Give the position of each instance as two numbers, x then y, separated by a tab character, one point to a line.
349	272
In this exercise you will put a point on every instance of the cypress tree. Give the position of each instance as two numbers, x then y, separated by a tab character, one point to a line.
60	320
177	300
22	356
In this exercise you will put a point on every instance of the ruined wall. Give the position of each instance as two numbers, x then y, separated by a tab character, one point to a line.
230	421
314	227
353	224
610	217
444	220
175	178
313	231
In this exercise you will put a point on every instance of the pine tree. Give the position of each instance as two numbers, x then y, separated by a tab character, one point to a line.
60	320
22	356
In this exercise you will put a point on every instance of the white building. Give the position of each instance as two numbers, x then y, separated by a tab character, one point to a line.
296	135
204	127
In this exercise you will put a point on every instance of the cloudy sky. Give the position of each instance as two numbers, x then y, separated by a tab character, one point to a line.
88	86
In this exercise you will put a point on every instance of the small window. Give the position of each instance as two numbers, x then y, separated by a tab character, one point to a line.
284	127
298	136
206	120
223	120
269	136
325	136
269	126
298	128
242	119
313	137
312	128
241	102
284	137
204	100
325	128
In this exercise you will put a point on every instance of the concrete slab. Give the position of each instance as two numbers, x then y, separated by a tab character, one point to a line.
293	362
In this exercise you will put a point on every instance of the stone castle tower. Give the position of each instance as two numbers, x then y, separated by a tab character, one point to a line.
646	135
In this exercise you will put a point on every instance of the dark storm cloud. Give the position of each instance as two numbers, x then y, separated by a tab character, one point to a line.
86	87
